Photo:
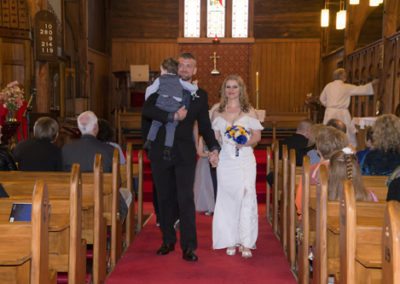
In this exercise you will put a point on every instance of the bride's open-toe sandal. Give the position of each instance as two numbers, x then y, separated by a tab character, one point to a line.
246	252
231	251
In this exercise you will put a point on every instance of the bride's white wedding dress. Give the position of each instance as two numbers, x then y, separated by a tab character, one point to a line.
235	219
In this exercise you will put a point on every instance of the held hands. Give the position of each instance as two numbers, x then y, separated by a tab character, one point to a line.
213	158
180	114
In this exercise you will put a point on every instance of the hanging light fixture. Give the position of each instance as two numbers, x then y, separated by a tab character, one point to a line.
341	17
325	17
354	2
374	3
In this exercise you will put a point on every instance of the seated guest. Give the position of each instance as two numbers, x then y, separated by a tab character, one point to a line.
299	141
106	135
328	141
313	153
40	153
83	150
385	155
343	165
338	124
7	162
368	145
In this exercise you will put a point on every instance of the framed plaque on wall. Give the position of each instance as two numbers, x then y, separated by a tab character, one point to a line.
45	36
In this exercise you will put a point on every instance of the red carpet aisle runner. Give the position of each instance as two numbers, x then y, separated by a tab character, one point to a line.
140	264
260	184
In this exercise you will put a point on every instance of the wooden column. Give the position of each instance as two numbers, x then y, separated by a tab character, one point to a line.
83	48
41	69
387	79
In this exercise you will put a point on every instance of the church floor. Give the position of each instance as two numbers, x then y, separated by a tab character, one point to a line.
140	264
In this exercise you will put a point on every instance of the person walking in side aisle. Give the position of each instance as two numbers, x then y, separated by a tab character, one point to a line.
175	178
171	97
40	153
237	128
203	185
336	98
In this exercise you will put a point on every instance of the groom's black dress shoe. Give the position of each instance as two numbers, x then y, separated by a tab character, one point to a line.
189	255
165	249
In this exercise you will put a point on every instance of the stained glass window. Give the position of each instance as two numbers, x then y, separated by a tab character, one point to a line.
216	18
192	18
240	18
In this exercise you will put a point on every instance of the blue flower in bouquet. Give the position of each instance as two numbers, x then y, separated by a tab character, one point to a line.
237	134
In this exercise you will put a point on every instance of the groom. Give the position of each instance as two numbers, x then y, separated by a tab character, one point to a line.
174	179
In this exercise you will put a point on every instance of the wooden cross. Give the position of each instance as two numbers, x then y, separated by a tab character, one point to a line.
214	58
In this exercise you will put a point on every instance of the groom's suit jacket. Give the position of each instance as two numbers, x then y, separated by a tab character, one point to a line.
184	148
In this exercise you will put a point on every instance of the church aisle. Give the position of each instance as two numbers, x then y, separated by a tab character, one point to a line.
140	264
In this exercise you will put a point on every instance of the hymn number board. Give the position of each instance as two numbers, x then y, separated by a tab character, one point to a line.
45	36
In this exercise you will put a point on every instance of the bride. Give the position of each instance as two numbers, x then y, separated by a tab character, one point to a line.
235	222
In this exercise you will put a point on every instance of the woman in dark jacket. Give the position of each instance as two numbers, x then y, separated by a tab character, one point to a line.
385	154
7	162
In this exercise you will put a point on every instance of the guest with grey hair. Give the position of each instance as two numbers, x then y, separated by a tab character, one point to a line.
40	153
336	98
83	150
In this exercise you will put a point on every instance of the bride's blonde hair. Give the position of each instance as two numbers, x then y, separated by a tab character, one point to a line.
243	98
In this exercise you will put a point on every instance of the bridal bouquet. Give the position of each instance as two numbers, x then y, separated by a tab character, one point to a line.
238	134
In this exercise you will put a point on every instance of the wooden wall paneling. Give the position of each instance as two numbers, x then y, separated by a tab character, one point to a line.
100	92
137	52
15	62
289	69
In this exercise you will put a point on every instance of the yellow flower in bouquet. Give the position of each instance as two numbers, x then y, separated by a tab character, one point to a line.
12	96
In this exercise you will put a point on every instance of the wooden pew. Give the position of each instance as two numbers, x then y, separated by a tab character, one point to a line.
58	183
391	244
327	246
304	232
291	216
24	250
99	225
19	184
268	187
283	209
77	245
360	239
65	229
127	176
275	205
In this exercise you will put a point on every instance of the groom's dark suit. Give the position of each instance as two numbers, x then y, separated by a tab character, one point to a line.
174	179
